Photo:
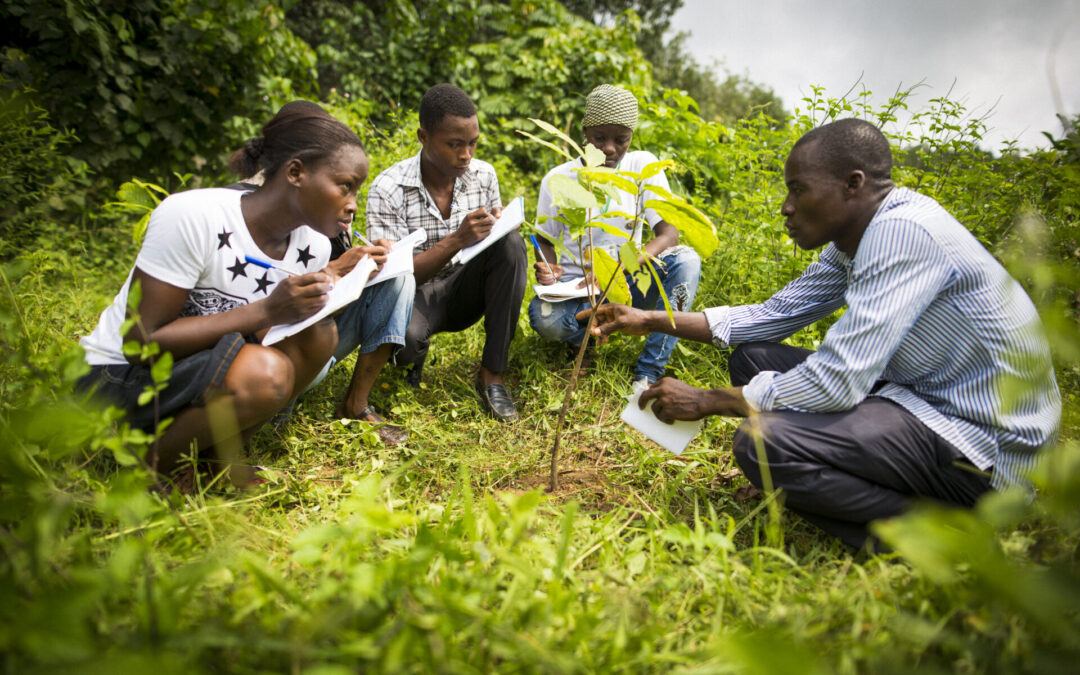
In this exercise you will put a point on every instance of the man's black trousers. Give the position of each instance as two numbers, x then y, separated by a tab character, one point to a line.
490	286
842	470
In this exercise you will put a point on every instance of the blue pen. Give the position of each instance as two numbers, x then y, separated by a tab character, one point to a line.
265	265
540	253
362	238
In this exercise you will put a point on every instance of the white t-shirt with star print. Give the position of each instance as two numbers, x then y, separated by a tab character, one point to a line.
197	240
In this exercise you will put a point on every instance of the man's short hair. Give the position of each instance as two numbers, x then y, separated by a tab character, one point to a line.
851	144
442	100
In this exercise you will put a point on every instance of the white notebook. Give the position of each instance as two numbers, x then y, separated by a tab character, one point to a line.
347	289
513	215
400	259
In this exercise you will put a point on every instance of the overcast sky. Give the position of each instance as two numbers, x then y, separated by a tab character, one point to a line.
996	51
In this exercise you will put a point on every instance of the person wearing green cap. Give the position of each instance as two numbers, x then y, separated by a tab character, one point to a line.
611	116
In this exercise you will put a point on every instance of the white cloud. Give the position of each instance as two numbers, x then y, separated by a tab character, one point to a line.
995	51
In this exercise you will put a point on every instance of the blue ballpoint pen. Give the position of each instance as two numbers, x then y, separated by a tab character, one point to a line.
540	253
266	265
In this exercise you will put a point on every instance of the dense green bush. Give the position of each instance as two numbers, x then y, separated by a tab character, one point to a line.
39	183
150	85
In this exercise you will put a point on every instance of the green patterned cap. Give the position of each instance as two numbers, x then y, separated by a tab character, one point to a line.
610	105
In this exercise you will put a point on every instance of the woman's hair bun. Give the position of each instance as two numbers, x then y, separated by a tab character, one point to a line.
254	147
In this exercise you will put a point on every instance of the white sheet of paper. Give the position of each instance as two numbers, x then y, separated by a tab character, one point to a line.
347	289
400	259
673	437
513	215
562	291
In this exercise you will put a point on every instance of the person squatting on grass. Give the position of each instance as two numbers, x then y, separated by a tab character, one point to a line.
455	199
202	302
373	326
935	383
611	115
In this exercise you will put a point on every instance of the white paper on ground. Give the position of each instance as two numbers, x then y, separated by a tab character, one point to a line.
562	290
400	259
512	215
673	437
347	289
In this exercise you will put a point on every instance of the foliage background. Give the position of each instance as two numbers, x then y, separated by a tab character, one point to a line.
442	555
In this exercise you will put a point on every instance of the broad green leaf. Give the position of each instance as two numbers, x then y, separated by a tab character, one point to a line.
610	229
643	280
139	231
135	194
557	133
603	175
610	192
567	192
654	168
628	256
594	156
608	271
662	192
691	223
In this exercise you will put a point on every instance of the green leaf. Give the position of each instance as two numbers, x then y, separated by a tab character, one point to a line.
606	271
663	293
567	192
628	256
546	144
162	368
653	168
133	195
605	175
558	134
147	394
609	228
139	231
691	223
594	156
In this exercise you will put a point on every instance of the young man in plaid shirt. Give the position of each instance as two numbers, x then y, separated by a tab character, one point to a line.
455	200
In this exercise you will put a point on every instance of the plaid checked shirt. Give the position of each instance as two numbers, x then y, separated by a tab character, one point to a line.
398	202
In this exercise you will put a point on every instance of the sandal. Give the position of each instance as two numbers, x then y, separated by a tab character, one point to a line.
388	433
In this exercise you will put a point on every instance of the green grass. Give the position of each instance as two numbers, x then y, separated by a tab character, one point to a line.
445	554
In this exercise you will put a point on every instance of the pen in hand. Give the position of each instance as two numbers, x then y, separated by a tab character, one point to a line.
540	253
270	266
267	265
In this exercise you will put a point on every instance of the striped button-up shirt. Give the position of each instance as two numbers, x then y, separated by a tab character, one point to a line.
398	203
932	314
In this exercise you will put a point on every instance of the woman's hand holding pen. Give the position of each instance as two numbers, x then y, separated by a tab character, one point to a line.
295	298
378	250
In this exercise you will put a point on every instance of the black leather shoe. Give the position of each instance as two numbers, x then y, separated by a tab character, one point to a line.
498	402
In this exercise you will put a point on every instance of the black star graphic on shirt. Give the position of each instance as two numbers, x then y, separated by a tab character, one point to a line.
263	284
304	255
238	269
223	239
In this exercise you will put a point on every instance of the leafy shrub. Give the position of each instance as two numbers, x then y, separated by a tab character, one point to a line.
38	182
147	85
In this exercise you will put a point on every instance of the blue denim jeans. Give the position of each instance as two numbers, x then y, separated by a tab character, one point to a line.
379	317
679	276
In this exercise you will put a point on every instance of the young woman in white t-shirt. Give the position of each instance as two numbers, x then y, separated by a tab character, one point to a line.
206	304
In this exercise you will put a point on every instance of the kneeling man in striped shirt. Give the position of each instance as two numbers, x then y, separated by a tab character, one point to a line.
935	383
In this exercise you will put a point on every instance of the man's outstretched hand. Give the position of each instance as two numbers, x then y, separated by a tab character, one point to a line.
675	400
616	319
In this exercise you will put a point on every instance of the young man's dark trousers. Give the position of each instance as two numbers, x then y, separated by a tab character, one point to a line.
842	470
490	286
